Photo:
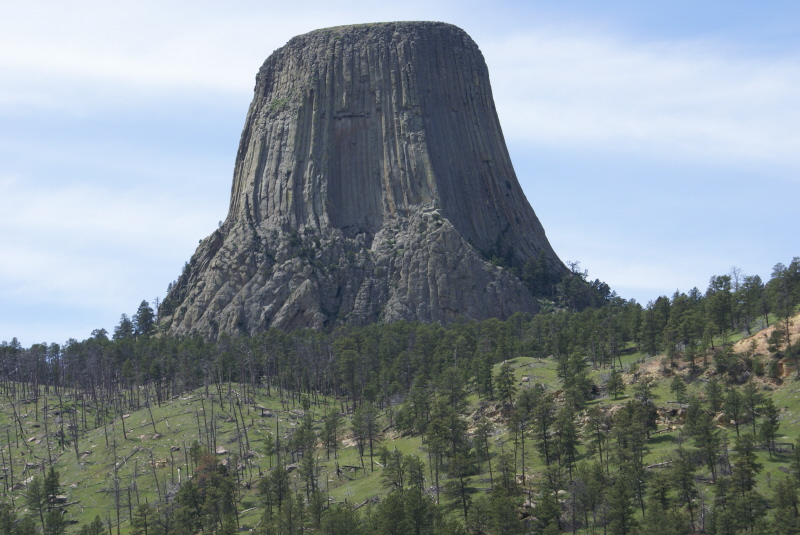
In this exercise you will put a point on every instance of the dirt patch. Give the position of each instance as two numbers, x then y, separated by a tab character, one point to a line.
745	345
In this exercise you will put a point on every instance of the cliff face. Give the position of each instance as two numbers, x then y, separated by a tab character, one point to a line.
371	184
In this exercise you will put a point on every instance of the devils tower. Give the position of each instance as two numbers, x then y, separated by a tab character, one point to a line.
372	183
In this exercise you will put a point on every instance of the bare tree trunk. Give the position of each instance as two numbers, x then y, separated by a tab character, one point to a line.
150	410
10	464
122	419
155	474
5	481
47	433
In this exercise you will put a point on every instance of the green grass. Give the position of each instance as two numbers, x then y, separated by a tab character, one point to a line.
90	481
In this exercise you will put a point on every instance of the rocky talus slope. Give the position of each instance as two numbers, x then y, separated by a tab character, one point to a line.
372	183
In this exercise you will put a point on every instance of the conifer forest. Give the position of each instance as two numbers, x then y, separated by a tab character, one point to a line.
597	415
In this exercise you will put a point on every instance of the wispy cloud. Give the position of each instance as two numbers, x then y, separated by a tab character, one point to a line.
79	243
105	52
676	100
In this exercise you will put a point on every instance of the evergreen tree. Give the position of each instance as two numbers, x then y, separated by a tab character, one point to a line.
506	383
96	527
682	475
596	431
51	488
786	506
547	512
659	518
8	519
143	519
390	516
621	519
770	424
144	321
506	474
125	329
745	464
331	431
752	399
341	519
544	418
26	526
678	388
733	407
521	420
54	522
567	437
483	375
394	469
37	499
458	487
615	384
480	440
594	483
365	429
714	396
700	426
503	516
308	471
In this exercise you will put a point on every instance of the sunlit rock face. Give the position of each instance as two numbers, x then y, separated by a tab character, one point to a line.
372	183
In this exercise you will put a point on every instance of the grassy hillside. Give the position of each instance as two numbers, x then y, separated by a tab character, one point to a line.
123	459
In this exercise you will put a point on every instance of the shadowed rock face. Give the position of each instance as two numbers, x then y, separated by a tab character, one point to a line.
372	181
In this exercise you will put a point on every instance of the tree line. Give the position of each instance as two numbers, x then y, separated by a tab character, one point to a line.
378	362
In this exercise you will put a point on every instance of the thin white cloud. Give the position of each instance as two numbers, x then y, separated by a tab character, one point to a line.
154	47
80	243
634	267
690	101
556	86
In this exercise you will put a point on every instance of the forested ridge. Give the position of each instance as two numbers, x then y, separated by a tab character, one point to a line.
598	415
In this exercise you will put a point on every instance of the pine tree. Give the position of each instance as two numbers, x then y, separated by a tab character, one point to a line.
786	505
745	464
365	429
615	384
682	475
733	407
458	487
678	387
480	440
752	399
144	321
770	424
621	520
331	430
142	521
543	417
503	517
7	519
341	519
51	488
506	383
54	522
567	437
36	498
713	395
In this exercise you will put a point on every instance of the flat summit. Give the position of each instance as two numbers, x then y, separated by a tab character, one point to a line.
372	183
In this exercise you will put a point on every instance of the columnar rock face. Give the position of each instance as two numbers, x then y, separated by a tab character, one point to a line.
372	183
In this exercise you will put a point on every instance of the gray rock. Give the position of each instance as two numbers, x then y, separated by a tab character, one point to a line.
372	183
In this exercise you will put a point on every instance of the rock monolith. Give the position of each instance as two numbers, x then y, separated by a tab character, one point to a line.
372	183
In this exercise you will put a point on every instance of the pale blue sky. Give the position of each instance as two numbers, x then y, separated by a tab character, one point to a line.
658	142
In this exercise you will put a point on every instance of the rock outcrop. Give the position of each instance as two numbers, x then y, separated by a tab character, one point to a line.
372	183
